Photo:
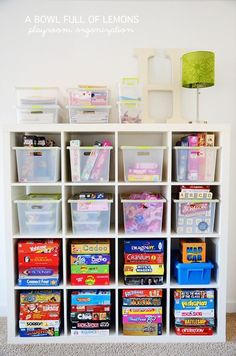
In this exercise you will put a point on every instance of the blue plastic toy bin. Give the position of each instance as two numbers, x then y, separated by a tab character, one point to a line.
193	273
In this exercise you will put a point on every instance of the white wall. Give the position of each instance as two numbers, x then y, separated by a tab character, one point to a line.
67	60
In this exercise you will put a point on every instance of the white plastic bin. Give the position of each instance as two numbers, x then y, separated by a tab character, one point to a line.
195	163
130	112
90	164
39	214
143	216
194	216
46	114
88	96
89	114
143	163
38	164
130	89
90	217
37	96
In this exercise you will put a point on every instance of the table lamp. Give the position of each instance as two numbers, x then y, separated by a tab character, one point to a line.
198	71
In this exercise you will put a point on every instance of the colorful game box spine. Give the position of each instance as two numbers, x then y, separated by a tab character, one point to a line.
40	297
141	310
42	247
39	332
195	322
40	316
27	324
132	270
144	258
143	280
142	318
89	316
40	282
89	269
194	313
38	259
91	325
88	247
141	301
90	308
141	293
90	299
90	259
193	293
140	329
90	279
144	246
91	332
192	304
193	251
188	331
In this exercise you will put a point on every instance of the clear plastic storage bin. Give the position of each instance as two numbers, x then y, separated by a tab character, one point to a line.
143	216
38	164
193	217
90	164
39	214
89	115
46	114
90	217
130	89
195	163
88	96
130	112
37	96
143	163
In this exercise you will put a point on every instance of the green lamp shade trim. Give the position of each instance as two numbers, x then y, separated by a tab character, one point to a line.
198	69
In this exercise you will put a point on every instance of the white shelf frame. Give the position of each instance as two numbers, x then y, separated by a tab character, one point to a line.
221	236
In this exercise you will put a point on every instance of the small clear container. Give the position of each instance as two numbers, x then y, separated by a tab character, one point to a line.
29	96
130	89
90	216
90	164
39	214
143	163
36	114
88	96
38	164
130	112
89	114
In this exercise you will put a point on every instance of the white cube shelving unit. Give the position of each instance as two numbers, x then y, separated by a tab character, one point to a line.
120	135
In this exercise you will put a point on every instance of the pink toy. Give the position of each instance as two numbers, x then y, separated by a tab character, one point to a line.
143	212
103	156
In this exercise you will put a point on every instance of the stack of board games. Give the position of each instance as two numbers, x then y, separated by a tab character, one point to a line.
38	263
90	262
90	312
39	313
142	312
143	262
194	311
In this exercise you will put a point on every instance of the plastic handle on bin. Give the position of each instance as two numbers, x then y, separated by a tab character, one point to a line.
195	270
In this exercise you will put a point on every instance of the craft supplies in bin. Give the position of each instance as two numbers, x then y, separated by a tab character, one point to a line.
90	213
195	215
142	312
39	214
90	313
38	262
143	163
38	164
90	163
38	105
194	312
143	262
90	262
39	313
129	103
89	104
195	158
143	212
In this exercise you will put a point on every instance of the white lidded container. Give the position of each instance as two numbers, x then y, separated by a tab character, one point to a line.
194	216
130	112
38	164
39	114
37	96
143	163
89	114
195	164
130	89
39	214
90	163
90	216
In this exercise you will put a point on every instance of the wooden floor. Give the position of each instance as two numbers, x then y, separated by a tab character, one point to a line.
231	327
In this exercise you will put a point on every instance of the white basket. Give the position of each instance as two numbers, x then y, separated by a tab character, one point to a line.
38	164
90	217
130	112
90	164
37	96
39	216
89	115
194	216
195	163
143	163
46	114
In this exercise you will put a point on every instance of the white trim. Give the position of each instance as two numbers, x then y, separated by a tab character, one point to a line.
3	310
231	306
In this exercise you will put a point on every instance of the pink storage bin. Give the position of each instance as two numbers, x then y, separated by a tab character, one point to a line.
143	212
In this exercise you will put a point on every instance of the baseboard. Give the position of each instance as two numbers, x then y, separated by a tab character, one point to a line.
231	306
3	310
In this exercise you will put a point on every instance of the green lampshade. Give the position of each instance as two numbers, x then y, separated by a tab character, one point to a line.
198	69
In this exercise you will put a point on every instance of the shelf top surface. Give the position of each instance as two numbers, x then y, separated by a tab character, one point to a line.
113	127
